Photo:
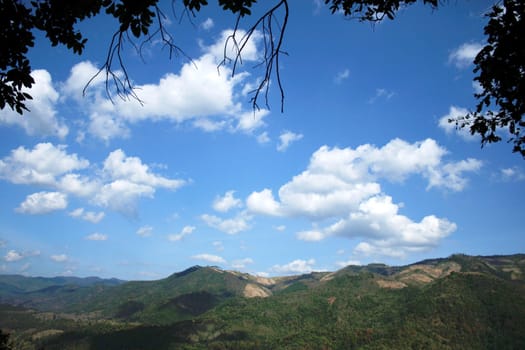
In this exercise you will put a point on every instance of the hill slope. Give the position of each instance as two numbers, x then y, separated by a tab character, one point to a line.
451	303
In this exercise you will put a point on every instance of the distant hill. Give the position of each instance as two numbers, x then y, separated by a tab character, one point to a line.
458	302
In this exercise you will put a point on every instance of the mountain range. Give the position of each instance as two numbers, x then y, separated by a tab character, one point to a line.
447	303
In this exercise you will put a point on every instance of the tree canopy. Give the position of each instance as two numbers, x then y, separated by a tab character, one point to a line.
500	65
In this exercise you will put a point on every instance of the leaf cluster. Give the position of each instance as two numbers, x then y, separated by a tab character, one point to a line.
501	74
372	10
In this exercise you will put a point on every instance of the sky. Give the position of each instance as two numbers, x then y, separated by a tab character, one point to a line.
360	167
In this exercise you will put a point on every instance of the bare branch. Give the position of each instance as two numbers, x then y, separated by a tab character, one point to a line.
271	50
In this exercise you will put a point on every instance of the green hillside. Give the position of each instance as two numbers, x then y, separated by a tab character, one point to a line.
460	302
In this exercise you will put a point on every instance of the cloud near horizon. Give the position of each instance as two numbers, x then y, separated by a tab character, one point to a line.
341	190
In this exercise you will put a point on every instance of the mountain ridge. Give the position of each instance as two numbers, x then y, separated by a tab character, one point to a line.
462	301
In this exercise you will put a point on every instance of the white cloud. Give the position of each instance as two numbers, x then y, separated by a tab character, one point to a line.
464	55
198	94
41	119
263	138
250	51
214	259
340	193
342	75
106	126
232	226
286	139
120	167
90	216
12	256
250	121
121	195
39	166
298	266
456	114
130	180
226	202
43	203
207	24
241	263
451	174
186	230
378	220
280	228
97	237
311	235
381	93
80	75
145	231
59	257
263	202
476	86
512	174
120	183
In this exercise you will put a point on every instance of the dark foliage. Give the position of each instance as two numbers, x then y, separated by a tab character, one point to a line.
372	10
129	308
4	341
501	73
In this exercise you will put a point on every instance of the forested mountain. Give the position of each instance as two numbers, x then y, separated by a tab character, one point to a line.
452	303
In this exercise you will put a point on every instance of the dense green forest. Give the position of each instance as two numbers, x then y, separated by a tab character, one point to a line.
460	302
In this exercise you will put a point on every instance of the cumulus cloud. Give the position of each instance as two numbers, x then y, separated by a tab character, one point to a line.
512	174
263	138
39	166
231	226
118	185
241	263
89	216
226	202
129	180
59	258
207	24
41	120
298	266
210	258
12	256
97	237
43	203
145	231
340	189
286	139
121	167
263	202
186	230
198	95
464	55
378	220
456	114
250	52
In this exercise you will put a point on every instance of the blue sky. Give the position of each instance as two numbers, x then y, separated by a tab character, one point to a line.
359	168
